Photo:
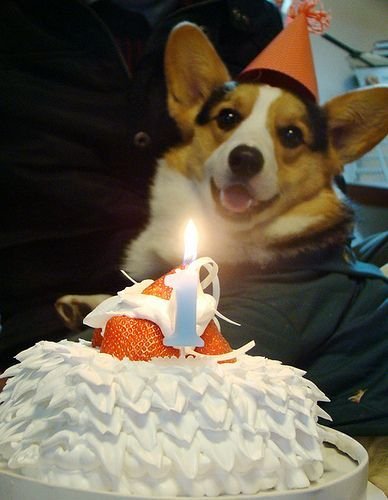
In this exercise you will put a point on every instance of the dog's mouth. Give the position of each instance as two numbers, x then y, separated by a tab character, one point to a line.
237	200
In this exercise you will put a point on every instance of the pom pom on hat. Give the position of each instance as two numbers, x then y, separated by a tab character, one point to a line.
287	62
318	21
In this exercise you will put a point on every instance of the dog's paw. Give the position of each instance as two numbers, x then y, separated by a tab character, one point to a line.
72	309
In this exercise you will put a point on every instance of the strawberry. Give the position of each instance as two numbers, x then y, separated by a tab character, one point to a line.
159	288
134	338
97	337
215	343
141	339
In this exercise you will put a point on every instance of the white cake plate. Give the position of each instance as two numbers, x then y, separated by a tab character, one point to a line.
345	478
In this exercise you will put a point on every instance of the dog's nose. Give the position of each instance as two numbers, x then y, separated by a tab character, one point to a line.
245	161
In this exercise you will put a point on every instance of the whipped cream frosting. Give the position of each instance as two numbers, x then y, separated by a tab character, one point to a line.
72	416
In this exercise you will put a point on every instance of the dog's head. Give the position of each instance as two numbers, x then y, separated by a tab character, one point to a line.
266	157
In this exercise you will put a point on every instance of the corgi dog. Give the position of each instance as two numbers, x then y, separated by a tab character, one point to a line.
255	170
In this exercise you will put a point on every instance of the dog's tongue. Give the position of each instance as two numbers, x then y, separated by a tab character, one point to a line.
236	198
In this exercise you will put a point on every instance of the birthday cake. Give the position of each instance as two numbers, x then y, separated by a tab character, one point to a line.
129	415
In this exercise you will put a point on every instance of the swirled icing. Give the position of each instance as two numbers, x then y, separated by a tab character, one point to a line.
72	416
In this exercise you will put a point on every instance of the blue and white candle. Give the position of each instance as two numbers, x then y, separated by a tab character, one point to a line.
185	284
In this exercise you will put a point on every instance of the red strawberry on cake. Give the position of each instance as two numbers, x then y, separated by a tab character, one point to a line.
136	339
140	339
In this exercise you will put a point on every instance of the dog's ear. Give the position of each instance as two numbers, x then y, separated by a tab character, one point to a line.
193	70
357	121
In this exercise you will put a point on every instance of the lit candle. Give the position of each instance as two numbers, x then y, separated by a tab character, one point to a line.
185	284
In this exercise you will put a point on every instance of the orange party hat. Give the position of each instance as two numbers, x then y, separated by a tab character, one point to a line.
287	62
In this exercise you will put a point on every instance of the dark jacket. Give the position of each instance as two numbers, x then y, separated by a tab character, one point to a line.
74	175
328	317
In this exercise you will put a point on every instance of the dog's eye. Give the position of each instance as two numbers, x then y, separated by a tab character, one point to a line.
290	137
228	118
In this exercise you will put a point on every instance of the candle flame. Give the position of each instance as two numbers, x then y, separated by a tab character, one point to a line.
191	243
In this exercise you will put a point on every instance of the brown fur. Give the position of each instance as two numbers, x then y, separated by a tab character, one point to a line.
354	124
